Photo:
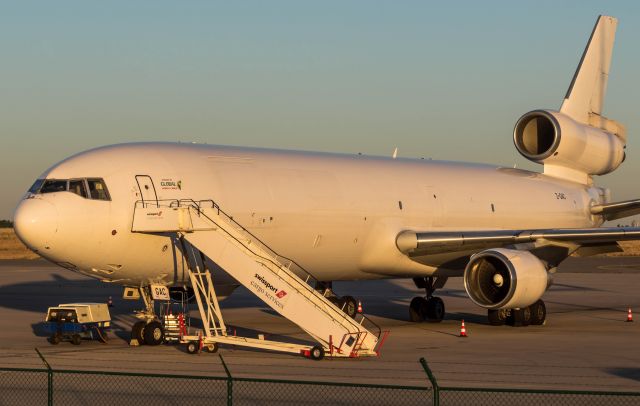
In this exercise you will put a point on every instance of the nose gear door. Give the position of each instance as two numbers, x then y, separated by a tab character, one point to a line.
147	190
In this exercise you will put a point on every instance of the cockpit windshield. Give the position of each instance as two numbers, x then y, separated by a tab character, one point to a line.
97	189
77	186
54	185
91	188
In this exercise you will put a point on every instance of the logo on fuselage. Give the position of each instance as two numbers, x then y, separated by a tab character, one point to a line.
170	184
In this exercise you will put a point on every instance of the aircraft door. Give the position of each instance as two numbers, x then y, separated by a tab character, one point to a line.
147	190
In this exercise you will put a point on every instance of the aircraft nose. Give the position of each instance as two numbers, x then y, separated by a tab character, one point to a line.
35	222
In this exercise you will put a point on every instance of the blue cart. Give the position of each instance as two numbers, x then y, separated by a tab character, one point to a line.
75	321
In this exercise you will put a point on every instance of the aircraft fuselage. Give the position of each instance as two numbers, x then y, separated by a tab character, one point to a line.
336	215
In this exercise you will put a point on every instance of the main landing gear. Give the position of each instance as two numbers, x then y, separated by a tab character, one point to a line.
348	304
535	315
429	308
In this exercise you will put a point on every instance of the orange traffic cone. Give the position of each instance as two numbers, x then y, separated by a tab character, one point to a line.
629	316
359	306
110	302
463	330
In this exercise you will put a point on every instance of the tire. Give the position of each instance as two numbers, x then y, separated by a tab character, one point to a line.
334	300
526	316
435	310
415	309
497	317
349	306
55	339
153	333
316	353
137	332
212	348
192	347
521	317
538	313
76	339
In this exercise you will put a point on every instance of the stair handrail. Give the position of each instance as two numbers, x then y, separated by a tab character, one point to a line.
214	205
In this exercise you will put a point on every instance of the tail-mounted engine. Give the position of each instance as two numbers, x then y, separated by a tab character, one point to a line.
503	278
578	141
559	142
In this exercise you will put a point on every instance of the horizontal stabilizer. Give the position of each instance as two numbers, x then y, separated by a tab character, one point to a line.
618	210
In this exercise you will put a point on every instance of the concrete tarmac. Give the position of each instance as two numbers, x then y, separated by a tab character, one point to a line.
586	343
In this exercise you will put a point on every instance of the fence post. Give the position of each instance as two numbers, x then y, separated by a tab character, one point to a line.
49	379
434	382
229	382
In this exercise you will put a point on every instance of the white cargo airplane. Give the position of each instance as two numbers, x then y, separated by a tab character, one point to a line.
354	217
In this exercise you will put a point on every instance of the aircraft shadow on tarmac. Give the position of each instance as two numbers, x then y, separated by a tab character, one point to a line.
381	298
629	373
37	296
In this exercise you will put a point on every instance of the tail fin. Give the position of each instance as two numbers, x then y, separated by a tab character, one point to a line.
585	97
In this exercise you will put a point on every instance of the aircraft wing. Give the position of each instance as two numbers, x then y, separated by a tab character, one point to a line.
452	249
618	210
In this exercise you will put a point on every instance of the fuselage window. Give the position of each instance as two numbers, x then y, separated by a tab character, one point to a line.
53	185
77	186
98	189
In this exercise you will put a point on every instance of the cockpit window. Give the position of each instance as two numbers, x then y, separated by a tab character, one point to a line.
53	185
97	189
36	186
93	188
77	186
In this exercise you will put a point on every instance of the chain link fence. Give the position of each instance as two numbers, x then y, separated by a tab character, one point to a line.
446	396
512	397
20	386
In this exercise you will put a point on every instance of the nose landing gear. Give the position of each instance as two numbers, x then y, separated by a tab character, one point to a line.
149	329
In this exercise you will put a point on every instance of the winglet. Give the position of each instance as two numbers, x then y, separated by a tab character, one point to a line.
585	96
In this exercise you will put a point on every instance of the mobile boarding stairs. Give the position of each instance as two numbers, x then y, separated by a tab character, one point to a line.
205	230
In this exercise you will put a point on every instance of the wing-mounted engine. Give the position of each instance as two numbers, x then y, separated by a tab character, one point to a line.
504	278
578	141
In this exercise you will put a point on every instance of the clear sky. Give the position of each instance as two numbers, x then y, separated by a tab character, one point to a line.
445	80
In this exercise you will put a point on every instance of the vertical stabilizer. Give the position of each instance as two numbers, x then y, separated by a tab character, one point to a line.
585	97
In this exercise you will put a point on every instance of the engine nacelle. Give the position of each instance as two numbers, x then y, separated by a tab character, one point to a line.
555	139
503	278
